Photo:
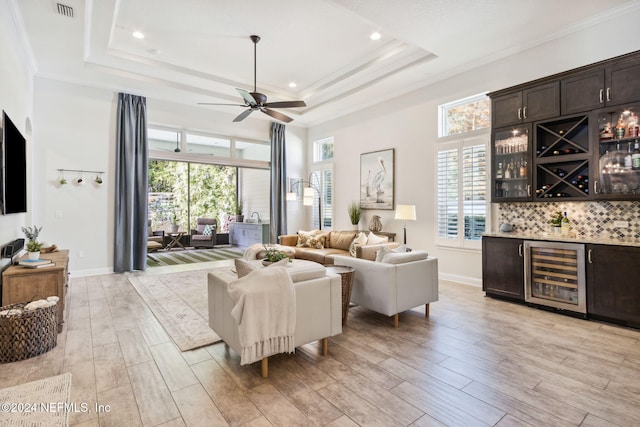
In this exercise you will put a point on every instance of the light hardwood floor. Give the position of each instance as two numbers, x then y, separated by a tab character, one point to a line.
475	361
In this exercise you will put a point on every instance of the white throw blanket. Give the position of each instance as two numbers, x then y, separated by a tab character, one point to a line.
265	310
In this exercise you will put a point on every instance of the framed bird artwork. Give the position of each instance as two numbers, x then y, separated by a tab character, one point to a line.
377	179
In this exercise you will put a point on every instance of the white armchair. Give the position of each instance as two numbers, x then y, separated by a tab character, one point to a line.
318	306
389	288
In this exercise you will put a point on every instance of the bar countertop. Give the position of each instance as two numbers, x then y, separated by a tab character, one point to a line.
570	238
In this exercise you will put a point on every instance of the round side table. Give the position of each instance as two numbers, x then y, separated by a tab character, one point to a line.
346	275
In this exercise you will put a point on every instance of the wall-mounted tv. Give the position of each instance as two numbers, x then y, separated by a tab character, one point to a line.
13	179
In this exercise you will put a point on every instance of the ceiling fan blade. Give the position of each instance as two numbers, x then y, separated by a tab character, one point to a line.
276	115
243	115
213	103
285	104
247	97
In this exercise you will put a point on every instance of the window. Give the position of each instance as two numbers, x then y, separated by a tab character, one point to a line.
462	185
464	115
194	174
322	178
323	150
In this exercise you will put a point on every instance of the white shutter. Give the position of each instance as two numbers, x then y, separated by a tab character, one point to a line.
474	190
448	194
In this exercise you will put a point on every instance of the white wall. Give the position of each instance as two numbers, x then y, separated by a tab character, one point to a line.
74	128
409	125
16	96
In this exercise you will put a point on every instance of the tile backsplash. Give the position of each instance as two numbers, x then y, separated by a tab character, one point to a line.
588	219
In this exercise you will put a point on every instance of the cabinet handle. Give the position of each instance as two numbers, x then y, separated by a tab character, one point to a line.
524	112
520	249
608	94
601	96
529	190
519	113
595	187
589	256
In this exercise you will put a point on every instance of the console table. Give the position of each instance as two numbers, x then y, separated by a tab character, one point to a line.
23	284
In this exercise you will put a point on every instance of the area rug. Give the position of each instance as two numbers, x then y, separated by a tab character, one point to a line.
38	403
180	303
160	259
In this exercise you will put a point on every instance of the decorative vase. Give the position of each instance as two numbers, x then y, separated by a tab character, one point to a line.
375	224
34	255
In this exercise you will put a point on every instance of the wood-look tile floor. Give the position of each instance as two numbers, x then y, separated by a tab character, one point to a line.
475	361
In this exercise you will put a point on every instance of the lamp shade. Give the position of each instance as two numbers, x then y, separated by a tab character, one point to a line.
406	212
292	196
307	196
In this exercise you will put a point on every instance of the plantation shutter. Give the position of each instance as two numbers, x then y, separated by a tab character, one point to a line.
448	194
474	191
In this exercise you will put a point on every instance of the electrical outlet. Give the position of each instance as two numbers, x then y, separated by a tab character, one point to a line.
81	254
621	224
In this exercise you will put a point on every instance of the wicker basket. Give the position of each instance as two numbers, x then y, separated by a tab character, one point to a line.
29	334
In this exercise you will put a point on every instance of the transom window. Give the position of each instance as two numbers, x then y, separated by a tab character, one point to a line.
464	115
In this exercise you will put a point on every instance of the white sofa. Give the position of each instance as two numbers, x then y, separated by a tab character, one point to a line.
318	306
389	288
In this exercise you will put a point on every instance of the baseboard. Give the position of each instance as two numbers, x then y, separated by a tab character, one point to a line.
473	281
91	272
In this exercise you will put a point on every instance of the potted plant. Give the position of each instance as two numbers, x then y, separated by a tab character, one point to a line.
173	228
556	221
273	255
33	246
238	210
355	212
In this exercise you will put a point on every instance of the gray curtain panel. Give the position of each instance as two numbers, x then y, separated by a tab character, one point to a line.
278	182
130	249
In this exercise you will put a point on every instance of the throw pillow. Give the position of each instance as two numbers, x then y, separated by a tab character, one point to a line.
208	230
384	250
244	267
359	240
310	239
372	239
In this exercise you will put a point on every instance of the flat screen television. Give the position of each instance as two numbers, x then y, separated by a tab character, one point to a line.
13	179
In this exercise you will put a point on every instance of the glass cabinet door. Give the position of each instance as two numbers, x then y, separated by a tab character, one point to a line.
618	158
511	177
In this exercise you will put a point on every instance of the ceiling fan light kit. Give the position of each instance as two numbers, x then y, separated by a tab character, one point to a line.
258	101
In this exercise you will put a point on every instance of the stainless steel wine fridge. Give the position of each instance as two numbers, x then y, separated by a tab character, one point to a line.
555	275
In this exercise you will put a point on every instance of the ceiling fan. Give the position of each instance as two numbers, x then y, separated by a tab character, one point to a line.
258	101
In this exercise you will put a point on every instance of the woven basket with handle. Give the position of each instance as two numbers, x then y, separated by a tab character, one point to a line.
28	334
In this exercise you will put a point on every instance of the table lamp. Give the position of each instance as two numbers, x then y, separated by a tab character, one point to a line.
406	213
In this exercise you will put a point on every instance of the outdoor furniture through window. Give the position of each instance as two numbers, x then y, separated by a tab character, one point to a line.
204	236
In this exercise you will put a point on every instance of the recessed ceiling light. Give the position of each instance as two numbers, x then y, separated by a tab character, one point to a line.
138	34
375	35
292	84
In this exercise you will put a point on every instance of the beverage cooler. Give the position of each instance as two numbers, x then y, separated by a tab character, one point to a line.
555	275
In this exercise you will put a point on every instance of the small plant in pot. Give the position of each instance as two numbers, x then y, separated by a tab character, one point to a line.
273	255
33	246
238	210
355	212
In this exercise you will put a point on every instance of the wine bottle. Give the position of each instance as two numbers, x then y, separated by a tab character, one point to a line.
507	171
499	171
627	157
635	156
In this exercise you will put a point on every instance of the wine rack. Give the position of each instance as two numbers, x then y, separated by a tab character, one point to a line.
562	159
